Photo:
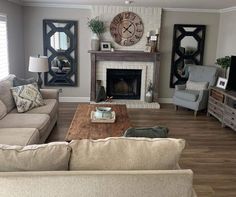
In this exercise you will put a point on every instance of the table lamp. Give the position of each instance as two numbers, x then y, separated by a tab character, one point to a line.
38	64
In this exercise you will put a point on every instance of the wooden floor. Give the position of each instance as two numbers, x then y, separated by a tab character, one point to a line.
210	150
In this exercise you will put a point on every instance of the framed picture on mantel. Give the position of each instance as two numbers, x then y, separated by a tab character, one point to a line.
105	46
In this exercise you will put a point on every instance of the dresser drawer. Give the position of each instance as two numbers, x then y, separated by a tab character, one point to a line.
215	111
217	95
230	111
229	122
215	102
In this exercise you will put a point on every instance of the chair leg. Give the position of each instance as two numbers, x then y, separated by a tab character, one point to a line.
176	107
195	113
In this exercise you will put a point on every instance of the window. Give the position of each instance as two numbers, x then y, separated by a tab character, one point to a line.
4	64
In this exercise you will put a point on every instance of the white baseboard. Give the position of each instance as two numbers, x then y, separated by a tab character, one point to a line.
87	99
165	100
74	99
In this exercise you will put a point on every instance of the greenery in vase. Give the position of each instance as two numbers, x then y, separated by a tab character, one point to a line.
224	62
97	26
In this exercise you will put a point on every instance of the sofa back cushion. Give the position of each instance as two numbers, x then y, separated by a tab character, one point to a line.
5	92
126	154
3	110
44	157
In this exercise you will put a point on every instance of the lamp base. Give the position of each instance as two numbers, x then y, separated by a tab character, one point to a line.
40	81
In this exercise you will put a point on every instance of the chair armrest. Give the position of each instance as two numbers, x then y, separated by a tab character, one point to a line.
203	99
180	87
203	94
50	93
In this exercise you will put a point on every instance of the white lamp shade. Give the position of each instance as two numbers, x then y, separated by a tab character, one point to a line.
38	64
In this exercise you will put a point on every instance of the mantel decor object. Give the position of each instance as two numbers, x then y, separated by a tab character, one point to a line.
97	27
126	28
38	64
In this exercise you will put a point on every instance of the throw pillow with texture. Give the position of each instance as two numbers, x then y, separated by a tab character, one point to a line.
27	97
19	82
121	153
44	157
3	110
192	85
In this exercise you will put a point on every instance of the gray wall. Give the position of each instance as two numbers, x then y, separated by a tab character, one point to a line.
14	14
227	34
33	36
169	18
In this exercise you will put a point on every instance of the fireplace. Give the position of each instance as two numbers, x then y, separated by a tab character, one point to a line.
124	83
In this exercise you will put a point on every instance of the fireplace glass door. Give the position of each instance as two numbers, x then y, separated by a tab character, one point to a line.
124	83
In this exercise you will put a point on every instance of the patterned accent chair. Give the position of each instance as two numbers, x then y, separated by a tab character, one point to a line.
195	99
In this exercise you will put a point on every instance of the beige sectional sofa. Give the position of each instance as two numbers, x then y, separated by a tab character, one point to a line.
112	167
31	127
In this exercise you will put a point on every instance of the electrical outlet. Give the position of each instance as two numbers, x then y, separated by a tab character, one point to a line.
60	90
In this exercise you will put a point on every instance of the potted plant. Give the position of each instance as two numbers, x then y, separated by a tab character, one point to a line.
224	63
149	93
97	27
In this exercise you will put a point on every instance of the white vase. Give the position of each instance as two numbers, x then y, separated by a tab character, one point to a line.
95	43
149	96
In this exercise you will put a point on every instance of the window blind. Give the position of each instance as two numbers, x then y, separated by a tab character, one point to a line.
4	64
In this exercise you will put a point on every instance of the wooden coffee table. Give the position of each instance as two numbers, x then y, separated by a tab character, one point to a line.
82	128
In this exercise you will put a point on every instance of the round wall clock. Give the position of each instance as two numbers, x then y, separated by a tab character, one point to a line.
126	28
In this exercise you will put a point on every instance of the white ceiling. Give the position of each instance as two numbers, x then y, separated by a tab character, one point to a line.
193	4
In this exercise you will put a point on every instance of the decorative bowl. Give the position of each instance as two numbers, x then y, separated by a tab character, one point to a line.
103	112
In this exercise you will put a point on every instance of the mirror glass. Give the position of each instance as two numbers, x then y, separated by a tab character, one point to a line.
188	48
60	65
189	29
59	24
60	45
189	45
60	41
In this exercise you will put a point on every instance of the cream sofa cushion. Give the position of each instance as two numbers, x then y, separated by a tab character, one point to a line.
19	136
3	110
50	108
126	154
19	120
45	157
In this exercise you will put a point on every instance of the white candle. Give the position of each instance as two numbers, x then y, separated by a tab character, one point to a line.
148	34
157	31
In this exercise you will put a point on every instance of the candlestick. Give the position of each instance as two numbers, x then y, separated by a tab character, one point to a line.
148	34
157	31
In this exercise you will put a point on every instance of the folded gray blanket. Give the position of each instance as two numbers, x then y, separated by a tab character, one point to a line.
150	132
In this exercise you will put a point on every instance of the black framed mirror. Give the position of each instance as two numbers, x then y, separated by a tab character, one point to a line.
188	48
60	45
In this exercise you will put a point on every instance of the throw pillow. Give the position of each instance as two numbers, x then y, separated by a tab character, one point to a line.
27	97
19	82
44	157
123	153
192	85
150	132
3	110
